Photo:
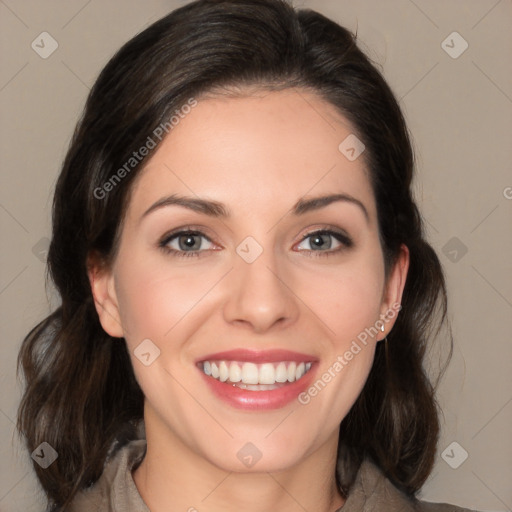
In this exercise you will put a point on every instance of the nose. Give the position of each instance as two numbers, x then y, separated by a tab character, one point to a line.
260	296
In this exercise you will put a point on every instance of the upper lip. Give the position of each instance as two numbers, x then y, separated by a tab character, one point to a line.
258	356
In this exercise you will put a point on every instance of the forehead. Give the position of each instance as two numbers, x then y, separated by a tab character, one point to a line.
255	152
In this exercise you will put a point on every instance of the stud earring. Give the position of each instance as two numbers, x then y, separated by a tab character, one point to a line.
383	329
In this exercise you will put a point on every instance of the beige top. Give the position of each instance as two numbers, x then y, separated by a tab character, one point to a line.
115	491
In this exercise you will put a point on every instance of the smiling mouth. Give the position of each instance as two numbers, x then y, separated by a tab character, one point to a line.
255	377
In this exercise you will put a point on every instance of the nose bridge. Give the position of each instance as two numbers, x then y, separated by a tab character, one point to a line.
260	295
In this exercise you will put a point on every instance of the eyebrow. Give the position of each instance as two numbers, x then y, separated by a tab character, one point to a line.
219	210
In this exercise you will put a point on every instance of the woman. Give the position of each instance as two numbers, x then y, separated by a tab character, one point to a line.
247	294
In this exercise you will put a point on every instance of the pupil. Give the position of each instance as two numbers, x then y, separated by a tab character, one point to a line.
189	241
319	241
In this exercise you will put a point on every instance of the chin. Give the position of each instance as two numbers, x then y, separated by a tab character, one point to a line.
258	454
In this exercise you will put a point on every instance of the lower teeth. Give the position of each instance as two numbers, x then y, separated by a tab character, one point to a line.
258	387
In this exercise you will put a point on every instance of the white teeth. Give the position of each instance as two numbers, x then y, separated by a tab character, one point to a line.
267	374
281	373
301	369
250	373
292	368
235	372
257	387
223	371
253	376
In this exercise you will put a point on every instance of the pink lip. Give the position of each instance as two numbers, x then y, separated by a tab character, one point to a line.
258	356
259	400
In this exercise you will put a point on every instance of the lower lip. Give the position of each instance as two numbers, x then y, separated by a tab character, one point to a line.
259	400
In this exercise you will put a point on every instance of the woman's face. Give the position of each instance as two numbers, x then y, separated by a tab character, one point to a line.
254	295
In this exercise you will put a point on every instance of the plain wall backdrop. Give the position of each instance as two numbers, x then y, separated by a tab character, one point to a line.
456	92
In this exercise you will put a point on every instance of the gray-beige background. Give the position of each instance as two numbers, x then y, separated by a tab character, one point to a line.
449	63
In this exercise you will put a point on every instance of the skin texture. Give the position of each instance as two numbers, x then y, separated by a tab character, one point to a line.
258	154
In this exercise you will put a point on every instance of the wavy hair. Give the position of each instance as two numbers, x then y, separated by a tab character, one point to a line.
81	395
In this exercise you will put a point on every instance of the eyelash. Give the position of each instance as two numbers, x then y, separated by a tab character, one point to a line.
340	237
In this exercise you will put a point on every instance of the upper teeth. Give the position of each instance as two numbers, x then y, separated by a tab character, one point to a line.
251	373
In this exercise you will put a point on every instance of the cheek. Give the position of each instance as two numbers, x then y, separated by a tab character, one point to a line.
154	297
346	298
349	306
357	306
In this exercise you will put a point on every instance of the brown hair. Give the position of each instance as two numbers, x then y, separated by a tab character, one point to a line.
81	394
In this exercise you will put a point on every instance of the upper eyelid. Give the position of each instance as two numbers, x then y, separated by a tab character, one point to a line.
179	231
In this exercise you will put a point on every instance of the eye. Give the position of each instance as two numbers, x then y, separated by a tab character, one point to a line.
189	243
323	239
184	243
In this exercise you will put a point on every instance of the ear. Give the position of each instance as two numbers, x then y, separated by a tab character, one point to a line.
392	297
101	280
